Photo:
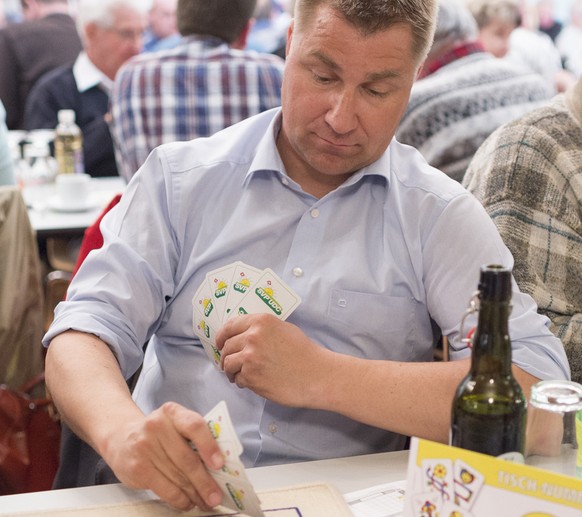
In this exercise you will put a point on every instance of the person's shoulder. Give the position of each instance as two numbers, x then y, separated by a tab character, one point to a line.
154	60
55	78
530	135
538	120
40	29
413	173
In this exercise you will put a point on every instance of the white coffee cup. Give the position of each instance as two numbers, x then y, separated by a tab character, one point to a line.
73	190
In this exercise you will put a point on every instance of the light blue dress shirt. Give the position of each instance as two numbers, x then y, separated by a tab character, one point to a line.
378	263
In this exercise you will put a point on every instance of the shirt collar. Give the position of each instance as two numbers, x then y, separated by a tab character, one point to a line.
87	75
267	159
197	43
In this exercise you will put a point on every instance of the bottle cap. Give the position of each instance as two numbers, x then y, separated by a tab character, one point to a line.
495	283
66	116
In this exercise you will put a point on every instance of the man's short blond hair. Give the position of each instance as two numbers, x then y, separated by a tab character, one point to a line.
371	16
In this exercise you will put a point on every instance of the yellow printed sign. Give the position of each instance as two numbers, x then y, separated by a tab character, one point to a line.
447	481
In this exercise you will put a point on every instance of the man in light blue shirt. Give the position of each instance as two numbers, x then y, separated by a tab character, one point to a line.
381	248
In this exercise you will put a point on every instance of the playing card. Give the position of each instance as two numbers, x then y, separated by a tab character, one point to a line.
269	295
437	476
468	483
203	303
238	495
244	276
237	492
207	337
221	427
219	281
212	352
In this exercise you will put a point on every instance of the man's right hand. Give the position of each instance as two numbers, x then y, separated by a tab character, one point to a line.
155	454
149	452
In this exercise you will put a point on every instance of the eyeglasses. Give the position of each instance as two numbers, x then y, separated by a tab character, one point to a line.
126	34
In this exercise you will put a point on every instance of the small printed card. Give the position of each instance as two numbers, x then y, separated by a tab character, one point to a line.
238	493
447	481
233	290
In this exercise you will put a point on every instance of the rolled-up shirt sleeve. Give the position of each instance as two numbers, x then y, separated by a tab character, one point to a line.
451	271
120	292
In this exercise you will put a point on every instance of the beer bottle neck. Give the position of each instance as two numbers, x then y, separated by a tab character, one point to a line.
491	344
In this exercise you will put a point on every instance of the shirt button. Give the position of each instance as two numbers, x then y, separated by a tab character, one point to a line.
273	428
285	181
297	272
315	213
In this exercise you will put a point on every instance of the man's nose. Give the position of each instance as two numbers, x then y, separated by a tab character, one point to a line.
342	114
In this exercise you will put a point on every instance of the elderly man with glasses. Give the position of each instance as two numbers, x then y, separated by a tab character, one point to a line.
112	32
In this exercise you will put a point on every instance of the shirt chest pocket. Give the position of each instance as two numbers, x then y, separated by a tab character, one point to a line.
376	325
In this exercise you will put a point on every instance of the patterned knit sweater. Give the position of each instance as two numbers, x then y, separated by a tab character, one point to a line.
528	176
453	110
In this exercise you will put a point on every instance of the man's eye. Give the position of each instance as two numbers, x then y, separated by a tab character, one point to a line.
376	93
321	79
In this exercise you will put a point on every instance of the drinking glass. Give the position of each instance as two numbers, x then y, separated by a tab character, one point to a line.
551	437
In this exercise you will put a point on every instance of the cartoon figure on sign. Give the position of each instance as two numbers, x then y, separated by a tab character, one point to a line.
463	491
437	480
428	509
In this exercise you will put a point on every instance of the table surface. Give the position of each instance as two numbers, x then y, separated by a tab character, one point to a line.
347	474
47	221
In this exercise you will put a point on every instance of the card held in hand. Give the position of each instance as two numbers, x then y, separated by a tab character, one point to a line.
237	289
237	491
269	295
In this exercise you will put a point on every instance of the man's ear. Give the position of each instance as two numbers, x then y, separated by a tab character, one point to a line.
90	30
241	42
289	37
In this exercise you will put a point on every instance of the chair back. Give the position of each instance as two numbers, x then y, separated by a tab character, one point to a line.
21	293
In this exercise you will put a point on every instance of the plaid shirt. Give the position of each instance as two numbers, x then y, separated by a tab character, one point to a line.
195	89
528	176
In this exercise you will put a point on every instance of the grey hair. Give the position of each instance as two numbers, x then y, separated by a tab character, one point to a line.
102	12
454	23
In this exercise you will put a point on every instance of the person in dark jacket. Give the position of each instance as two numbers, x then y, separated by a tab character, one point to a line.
45	40
112	32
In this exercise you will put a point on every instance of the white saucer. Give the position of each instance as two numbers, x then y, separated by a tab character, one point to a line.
55	203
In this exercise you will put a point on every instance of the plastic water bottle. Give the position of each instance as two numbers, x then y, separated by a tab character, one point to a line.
68	144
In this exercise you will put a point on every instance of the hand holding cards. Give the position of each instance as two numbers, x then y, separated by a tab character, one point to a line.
237	492
238	289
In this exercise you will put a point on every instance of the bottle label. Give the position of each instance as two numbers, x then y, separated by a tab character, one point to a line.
513	457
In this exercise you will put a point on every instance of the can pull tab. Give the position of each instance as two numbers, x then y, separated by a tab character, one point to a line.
472	309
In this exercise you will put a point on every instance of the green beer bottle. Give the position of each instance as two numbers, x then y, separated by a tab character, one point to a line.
489	408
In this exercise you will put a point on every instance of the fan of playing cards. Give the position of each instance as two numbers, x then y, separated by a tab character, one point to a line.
238	289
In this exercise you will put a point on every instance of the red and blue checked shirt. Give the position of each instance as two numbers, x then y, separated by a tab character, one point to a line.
195	89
